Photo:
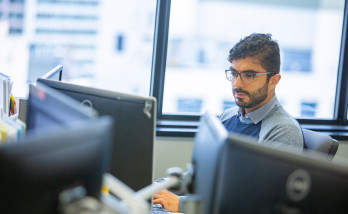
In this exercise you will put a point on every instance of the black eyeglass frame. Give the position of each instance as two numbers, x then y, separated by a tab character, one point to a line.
243	72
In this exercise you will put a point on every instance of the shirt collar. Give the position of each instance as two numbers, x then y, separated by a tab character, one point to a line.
260	113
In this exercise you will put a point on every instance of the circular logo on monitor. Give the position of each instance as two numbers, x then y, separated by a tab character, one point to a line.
87	103
298	185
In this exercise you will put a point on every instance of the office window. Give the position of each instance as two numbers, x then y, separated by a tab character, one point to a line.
119	43
15	31
308	109
201	56
297	60
16	15
71	2
66	16
309	34
63	46
192	105
71	32
80	35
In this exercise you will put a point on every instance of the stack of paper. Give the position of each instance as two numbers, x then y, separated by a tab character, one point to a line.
11	129
5	93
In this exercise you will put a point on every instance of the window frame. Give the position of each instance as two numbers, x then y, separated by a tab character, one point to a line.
186	125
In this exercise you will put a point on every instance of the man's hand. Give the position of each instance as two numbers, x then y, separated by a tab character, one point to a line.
168	200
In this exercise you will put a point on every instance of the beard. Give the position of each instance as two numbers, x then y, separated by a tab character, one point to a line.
256	97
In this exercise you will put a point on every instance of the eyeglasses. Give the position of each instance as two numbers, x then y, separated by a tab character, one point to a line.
245	76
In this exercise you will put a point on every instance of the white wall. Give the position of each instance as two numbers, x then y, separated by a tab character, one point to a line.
169	152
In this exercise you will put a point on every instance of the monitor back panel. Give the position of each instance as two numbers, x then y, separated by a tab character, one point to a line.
255	179
206	152
134	129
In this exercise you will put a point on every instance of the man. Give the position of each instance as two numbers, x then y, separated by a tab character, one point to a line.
254	74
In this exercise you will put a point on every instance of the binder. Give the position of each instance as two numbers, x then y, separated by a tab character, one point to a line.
3	134
11	130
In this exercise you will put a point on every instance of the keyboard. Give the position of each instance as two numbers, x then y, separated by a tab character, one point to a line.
158	209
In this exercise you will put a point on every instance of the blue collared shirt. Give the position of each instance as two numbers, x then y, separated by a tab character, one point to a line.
260	113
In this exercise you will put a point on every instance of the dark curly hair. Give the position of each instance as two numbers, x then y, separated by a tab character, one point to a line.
261	47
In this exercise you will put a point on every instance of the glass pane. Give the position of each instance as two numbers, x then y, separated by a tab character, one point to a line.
202	32
103	43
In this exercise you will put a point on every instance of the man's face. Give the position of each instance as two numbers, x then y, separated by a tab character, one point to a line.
250	96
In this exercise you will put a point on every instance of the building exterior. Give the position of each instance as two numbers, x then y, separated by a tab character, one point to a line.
12	11
62	32
108	44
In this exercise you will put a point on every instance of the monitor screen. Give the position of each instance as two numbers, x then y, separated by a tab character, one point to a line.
54	74
253	178
47	108
36	170
134	131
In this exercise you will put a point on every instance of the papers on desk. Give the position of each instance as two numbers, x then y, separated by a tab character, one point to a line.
11	129
5	93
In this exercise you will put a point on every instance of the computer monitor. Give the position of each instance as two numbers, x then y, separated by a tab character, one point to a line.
35	171
54	74
47	107
134	131
254	178
208	141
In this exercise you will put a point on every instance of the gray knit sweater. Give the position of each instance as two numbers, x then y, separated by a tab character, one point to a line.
270	124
